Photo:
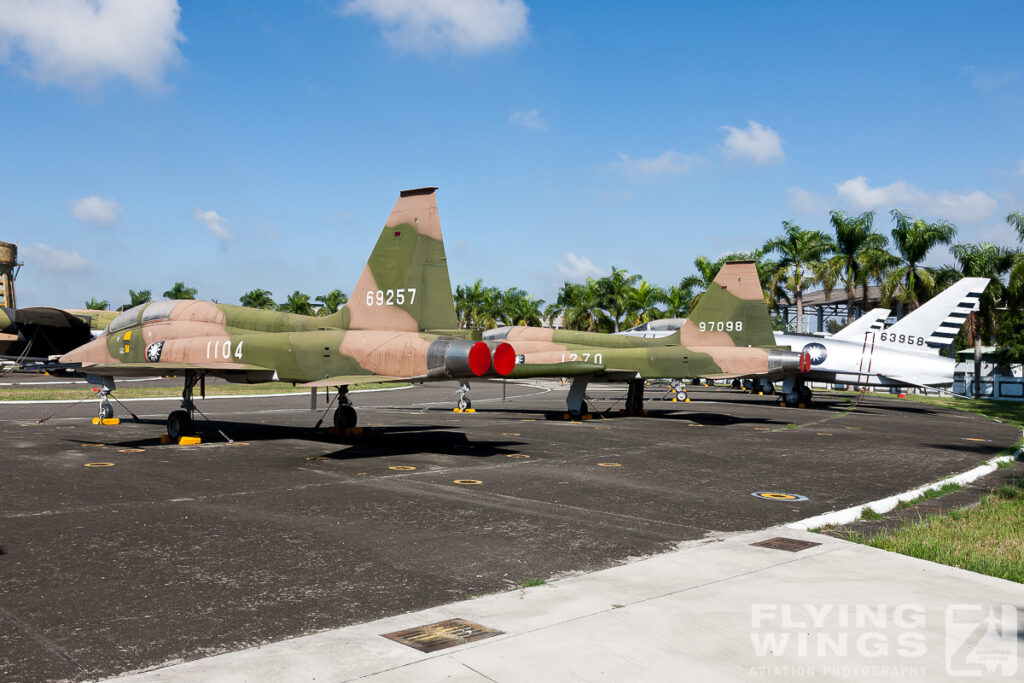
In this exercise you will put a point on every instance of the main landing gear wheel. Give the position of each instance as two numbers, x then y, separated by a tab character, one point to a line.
179	424
106	411
736	384
345	417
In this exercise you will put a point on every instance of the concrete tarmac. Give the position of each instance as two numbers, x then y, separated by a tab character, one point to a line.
177	553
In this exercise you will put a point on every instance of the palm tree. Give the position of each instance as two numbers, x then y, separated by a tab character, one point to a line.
643	303
258	298
468	301
913	239
982	260
520	308
854	238
331	302
701	280
615	293
677	300
1016	221
95	304
297	303
579	304
180	291
800	254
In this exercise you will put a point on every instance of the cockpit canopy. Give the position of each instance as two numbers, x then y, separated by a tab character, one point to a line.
143	313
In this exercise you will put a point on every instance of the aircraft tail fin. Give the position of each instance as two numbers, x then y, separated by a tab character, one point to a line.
935	324
732	312
405	285
872	321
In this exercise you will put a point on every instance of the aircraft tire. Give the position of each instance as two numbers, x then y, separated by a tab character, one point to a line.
179	424
465	403
345	417
106	411
806	394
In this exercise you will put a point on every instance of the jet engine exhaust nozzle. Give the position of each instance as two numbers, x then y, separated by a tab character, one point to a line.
458	358
504	358
782	363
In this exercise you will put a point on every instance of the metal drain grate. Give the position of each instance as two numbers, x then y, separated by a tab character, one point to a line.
788	544
450	633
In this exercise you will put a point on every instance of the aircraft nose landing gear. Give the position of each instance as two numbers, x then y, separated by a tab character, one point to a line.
180	422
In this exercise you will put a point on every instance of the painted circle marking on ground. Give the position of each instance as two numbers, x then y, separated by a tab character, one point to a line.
510	434
63	427
238	443
518	455
130	450
694	424
92	445
322	457
360	474
971	438
602	427
762	429
609	464
98	464
402	468
530	420
778	495
467	482
824	433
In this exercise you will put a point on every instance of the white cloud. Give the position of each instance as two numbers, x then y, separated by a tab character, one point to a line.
56	260
216	223
806	203
759	144
985	81
577	267
970	208
430	26
528	119
668	163
82	42
95	209
1020	167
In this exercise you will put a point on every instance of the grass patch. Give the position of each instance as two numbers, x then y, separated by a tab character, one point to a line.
530	583
986	539
1011	412
28	392
868	513
929	494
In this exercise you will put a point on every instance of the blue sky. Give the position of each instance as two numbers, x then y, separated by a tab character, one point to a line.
238	144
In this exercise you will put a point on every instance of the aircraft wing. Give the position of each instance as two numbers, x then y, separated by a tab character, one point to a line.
566	369
148	369
342	380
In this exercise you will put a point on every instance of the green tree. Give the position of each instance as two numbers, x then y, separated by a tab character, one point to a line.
468	303
331	302
258	298
1010	337
677	300
697	283
579	304
520	308
913	239
616	290
642	305
800	256
95	304
989	261
138	298
1016	221
854	239
1015	293
297	303
180	291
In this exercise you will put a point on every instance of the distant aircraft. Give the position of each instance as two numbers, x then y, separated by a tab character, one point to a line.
728	334
904	355
399	324
40	332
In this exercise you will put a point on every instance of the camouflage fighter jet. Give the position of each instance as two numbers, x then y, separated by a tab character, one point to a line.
399	324
729	334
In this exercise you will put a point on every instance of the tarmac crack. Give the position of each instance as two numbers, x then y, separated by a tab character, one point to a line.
40	638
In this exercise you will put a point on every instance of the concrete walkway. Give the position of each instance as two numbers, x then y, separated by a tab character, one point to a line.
715	610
